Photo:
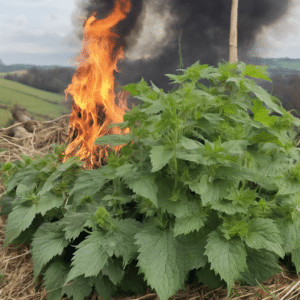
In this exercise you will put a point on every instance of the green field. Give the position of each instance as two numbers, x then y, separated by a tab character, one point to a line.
40	105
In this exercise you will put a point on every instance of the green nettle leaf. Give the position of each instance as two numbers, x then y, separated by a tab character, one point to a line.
261	114
262	94
210	191
256	72
121	241
159	261
79	289
50	183
296	259
290	234
264	234
227	207
188	143
160	156
261	266
91	181
192	220
227	257
48	241
49	201
18	220
264	137
74	223
55	277
104	287
145	186
93	253
114	271
209	278
115	139
217	191
89	258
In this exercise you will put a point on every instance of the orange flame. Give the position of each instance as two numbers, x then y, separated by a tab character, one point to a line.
92	87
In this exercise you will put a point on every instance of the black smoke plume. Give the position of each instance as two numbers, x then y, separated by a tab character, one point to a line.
150	33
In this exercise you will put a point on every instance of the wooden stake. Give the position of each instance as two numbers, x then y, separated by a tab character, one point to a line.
233	53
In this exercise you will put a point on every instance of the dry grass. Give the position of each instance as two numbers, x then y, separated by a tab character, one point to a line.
16	268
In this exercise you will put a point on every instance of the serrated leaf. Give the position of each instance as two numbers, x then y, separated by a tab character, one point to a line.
296	259
89	258
210	191
227	257
92	254
264	234
121	242
228	207
79	289
49	201
154	108
74	223
192	219
290	234
257	72
262	94
48	241
209	278
261	266
51	181
264	137
25	187
18	220
90	181
160	157
126	170
54	278
27	235
288	187
175	78
145	186
104	287
188	143
115	139
159	261
133	281
114	271
192	247
16	178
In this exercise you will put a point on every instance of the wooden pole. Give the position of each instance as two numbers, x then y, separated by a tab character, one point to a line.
233	53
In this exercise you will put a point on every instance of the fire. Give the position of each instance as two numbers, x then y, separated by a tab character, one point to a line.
92	88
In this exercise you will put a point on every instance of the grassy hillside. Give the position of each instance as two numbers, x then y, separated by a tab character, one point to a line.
41	105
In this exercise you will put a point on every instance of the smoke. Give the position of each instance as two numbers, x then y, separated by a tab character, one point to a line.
150	32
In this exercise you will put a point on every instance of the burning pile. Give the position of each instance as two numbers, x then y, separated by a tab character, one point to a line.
92	88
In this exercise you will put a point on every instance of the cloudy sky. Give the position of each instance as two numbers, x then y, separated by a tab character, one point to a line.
39	32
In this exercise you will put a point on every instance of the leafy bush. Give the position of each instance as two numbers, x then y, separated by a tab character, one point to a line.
200	186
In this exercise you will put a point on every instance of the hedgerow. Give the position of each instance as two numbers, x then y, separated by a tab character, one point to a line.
199	186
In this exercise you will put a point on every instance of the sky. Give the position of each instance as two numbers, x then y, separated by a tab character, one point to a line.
39	32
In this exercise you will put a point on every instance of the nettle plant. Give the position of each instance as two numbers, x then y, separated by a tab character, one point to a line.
200	188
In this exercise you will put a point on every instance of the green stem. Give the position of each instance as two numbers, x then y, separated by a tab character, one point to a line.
175	158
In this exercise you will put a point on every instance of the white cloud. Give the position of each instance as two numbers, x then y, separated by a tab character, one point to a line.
35	26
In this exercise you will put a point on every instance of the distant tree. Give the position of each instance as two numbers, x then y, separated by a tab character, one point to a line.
1	62
52	80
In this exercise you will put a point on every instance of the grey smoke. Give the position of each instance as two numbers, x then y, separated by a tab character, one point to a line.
150	32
